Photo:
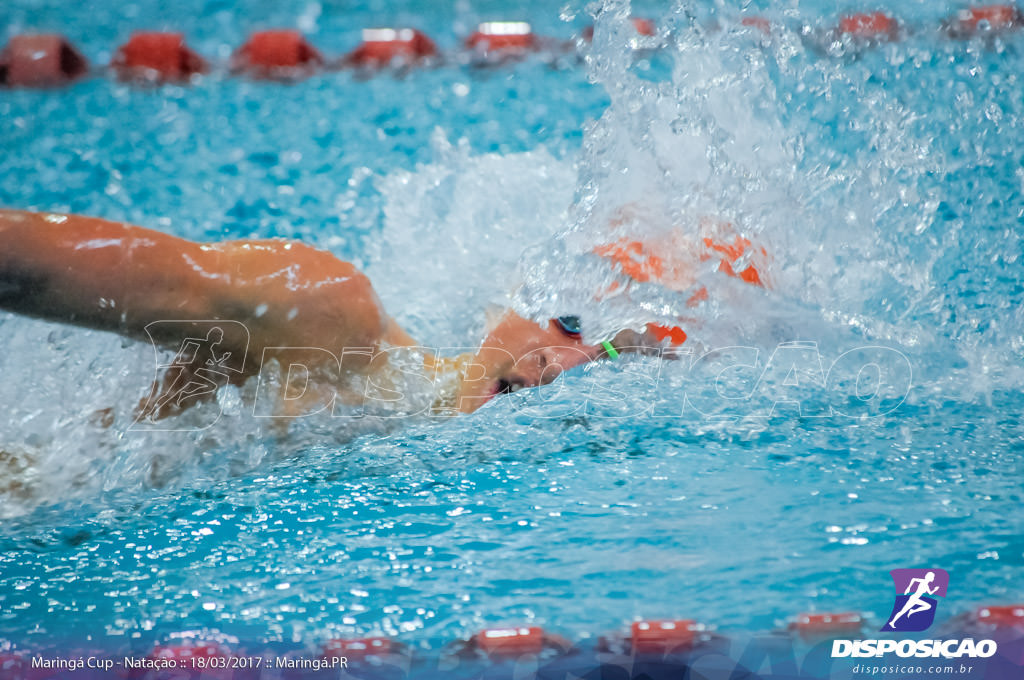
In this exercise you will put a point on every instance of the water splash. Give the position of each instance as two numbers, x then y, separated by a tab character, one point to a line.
454	231
891	217
701	145
830	163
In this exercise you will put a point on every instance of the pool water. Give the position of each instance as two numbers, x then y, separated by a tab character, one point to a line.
886	183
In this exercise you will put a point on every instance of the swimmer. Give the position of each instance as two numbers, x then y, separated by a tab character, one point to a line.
283	295
914	603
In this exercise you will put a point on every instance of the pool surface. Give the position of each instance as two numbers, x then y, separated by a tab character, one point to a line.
886	182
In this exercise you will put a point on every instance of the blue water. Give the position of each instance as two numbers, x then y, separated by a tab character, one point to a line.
887	183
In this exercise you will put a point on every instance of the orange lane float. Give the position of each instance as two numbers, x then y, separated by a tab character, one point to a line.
390	47
157	56
43	60
869	26
825	625
276	54
984	19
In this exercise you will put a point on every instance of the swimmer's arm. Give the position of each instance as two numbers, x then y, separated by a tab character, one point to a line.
120	278
93	272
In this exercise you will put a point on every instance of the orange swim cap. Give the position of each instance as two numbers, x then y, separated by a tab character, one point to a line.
645	263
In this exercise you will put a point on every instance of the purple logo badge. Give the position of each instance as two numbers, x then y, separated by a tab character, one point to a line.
915	605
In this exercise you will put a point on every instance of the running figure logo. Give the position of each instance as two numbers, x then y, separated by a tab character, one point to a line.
199	368
914	610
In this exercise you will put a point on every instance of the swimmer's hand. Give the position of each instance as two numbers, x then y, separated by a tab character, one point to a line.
645	343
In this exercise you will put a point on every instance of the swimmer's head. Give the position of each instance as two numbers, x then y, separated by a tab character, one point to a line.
520	353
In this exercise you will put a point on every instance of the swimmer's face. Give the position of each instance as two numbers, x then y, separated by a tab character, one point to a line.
519	353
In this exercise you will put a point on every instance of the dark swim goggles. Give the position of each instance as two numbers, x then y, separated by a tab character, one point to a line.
572	327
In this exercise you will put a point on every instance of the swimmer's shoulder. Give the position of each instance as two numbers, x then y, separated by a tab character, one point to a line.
294	294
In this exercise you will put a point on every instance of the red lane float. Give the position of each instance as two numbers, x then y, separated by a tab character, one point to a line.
644	27
208	659
499	644
157	56
275	54
11	666
187	651
40	61
503	38
14	666
869	26
1002	616
663	637
657	637
505	642
760	23
390	46
984	19
825	625
360	649
1003	622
